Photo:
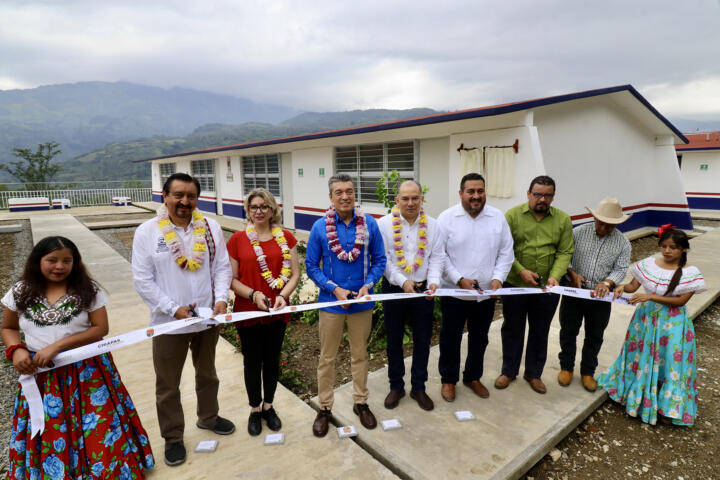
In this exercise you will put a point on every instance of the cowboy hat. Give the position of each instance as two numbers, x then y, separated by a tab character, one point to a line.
609	211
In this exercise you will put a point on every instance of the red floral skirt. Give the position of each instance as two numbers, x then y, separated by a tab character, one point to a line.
92	429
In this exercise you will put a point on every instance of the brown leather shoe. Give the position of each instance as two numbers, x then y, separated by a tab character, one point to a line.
320	425
589	383
423	400
565	377
536	384
367	419
477	387
448	392
393	398
503	381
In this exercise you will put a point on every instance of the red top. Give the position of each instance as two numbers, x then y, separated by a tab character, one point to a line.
248	272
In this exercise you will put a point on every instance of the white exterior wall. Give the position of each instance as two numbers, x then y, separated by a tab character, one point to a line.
696	180
593	150
286	186
311	189
433	166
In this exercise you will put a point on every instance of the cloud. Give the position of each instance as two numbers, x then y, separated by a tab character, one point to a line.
344	55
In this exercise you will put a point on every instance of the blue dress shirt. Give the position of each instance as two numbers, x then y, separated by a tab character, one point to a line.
366	270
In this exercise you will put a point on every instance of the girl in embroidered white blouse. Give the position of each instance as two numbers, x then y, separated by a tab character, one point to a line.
655	375
91	425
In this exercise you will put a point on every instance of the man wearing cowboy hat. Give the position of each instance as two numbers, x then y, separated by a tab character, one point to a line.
600	262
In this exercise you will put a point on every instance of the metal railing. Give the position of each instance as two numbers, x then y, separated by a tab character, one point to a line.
80	197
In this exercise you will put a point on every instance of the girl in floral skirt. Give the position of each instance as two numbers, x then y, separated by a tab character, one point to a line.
91	427
655	375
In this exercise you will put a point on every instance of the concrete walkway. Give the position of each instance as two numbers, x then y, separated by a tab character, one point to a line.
515	427
238	455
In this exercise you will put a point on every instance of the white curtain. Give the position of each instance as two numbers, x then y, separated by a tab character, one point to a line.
499	171
471	161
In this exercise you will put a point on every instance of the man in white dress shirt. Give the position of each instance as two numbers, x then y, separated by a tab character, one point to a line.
415	256
479	255
173	290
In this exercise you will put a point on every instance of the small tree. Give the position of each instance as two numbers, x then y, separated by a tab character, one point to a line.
34	169
387	188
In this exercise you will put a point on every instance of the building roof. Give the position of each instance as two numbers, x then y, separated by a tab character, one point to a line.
701	141
438	118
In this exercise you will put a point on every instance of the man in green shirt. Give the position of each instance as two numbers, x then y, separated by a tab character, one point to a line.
543	245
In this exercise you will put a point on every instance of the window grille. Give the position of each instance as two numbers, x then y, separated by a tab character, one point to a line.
204	171
262	171
166	169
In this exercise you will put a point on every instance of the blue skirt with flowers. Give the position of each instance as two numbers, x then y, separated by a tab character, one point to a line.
92	429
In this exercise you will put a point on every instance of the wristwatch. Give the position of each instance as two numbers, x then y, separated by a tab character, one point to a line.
605	282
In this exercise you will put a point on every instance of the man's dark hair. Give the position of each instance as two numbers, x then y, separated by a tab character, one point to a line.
183	177
542	180
470	176
339	178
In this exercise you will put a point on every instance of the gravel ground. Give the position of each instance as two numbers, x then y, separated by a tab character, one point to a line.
15	248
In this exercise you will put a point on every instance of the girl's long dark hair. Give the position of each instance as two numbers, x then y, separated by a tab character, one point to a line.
681	240
33	282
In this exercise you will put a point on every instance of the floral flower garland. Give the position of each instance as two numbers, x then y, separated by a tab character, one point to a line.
285	271
175	245
334	242
398	243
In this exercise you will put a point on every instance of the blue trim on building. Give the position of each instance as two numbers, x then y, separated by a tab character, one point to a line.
704	203
28	209
652	218
304	221
156	197
233	210
207	206
680	150
59	207
438	118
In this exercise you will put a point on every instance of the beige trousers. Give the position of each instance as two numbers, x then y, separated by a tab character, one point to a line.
331	332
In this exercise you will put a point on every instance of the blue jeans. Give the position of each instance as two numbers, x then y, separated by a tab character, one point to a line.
418	313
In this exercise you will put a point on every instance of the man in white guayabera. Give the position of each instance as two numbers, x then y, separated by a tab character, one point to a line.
180	263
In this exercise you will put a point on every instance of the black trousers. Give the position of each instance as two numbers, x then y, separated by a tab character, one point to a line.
478	316
418	313
597	317
261	346
537	310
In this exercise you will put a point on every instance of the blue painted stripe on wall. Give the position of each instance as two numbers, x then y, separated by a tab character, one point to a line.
27	209
304	221
206	206
157	197
707	203
233	210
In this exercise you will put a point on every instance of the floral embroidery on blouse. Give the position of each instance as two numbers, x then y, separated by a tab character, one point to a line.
42	314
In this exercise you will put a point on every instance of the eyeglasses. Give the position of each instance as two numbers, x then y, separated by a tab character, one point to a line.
549	196
255	208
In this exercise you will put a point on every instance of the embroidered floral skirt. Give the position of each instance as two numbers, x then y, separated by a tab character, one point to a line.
656	371
92	429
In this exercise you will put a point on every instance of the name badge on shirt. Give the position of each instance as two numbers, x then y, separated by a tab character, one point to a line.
161	246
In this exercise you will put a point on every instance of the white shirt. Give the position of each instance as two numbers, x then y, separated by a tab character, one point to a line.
164	286
44	327
431	269
479	248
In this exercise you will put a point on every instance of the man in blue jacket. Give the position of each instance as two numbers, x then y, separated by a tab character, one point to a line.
350	247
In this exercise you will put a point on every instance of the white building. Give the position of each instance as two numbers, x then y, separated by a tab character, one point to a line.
597	143
699	162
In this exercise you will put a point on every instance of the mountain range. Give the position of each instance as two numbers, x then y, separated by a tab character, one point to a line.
101	127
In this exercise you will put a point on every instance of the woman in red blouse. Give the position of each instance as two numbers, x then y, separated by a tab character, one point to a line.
265	272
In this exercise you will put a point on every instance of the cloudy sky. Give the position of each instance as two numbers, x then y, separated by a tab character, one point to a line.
338	55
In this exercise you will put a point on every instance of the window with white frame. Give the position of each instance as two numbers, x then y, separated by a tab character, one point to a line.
262	171
166	169
204	171
367	163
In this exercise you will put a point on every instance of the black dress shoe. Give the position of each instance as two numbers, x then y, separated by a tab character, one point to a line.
272	420
367	419
222	426
423	400
175	454
320	425
393	398
255	424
